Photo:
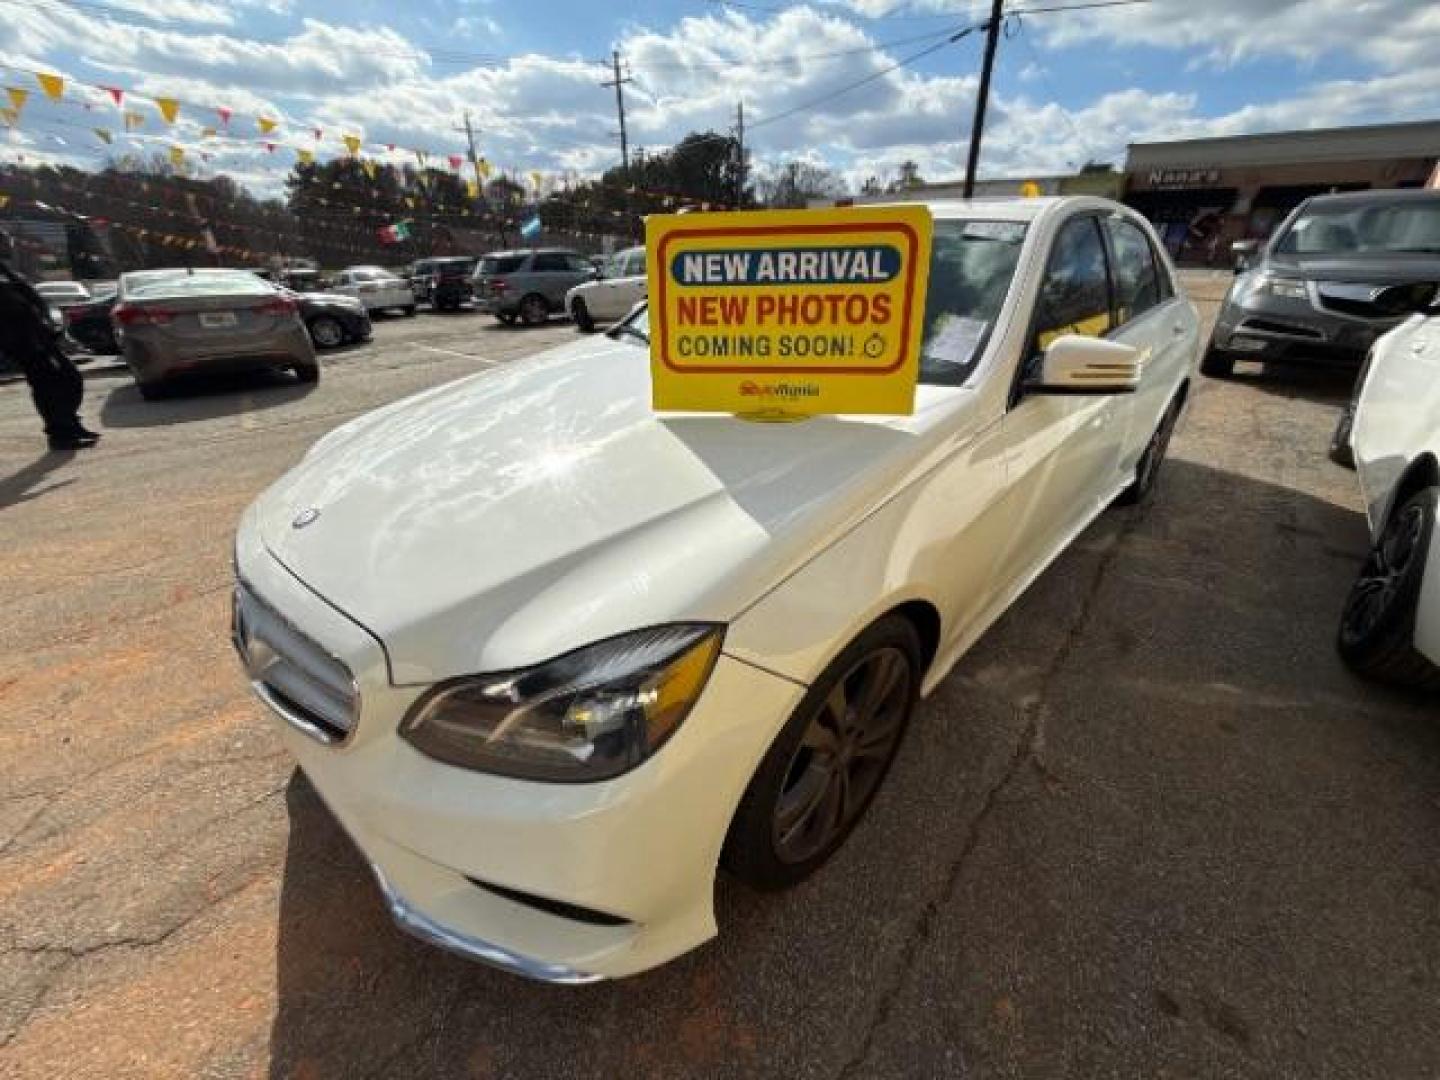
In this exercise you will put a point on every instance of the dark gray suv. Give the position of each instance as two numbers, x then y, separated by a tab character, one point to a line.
528	285
1339	272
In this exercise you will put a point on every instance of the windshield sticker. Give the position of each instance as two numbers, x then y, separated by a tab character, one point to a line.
1010	232
954	340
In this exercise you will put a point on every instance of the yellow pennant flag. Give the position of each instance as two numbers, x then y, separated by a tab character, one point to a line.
352	143
307	157
484	167
10	116
18	97
103	135
4	201
369	167
177	156
535	178
169	108
53	85
472	189
267	125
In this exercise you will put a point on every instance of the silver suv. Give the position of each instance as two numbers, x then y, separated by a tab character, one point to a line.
528	285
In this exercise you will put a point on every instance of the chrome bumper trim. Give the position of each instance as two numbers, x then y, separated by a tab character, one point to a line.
471	948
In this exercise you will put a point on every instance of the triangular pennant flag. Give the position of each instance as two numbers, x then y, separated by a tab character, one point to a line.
535	178
4	201
104	136
18	97
455	160
484	167
352	143
307	157
472	189
10	116
267	125
53	85
116	94
169	108
390	146
177	156
369	167
224	115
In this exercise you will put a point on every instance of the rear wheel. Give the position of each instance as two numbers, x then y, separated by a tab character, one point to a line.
827	763
581	314
534	310
1378	625
326	331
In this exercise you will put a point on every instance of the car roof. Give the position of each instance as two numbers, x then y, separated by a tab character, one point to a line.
1375	197
530	251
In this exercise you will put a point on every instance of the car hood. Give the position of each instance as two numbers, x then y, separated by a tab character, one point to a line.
1373	269
328	298
523	512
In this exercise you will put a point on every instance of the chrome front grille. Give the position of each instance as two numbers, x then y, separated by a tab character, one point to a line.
305	685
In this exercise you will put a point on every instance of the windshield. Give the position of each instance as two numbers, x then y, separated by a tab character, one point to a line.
214	283
971	265
1351	228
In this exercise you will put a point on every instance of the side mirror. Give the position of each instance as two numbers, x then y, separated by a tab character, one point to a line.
1075	364
1244	251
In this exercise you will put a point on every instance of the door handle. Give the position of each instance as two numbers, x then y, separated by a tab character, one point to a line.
1418	346
1178	328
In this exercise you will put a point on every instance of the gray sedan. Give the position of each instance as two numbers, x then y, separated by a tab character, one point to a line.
178	322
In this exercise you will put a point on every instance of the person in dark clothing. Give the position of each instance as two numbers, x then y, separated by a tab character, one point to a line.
30	342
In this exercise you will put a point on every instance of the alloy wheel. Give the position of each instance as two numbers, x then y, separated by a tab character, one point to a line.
327	333
1384	572
843	754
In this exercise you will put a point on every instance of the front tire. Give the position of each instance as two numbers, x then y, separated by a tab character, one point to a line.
1217	363
409	311
1342	451
1377	627
1147	469
581	314
823	769
307	373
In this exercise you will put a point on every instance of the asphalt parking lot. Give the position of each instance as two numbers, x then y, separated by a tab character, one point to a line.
1149	827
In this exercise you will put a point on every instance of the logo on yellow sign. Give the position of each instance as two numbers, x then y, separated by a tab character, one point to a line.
789	312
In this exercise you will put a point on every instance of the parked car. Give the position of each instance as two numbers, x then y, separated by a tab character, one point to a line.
375	287
332	319
1390	628
601	649
178	322
303	279
89	323
528	285
620	287
444	283
1339	272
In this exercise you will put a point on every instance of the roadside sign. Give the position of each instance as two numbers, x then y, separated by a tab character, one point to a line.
787	313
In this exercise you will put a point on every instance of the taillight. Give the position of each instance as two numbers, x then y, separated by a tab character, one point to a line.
497	284
278	305
128	315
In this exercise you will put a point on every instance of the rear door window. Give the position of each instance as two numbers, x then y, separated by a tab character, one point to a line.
501	264
1137	282
551	262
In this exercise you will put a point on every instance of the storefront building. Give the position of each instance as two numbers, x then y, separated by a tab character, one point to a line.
1202	194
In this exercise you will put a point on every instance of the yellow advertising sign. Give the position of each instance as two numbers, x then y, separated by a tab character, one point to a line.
787	312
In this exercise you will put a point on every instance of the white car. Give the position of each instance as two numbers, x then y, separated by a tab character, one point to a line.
375	287
1390	628
552	657
613	295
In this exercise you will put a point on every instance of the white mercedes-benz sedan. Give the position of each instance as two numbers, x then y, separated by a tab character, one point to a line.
1390	628
552	657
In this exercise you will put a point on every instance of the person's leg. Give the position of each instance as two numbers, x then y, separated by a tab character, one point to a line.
55	395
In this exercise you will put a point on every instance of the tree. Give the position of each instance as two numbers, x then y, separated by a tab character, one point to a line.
908	179
794	184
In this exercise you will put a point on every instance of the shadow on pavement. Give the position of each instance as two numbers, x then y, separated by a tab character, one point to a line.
1325	384
201	397
1148	826
20	486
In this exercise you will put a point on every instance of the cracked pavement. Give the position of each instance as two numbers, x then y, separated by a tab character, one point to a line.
1149	826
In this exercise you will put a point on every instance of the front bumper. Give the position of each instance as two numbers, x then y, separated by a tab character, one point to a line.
1261	326
486	866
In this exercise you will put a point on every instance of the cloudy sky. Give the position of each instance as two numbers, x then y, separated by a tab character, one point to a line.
1070	87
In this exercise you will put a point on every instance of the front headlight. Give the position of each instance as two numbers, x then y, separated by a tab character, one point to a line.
1289	288
588	715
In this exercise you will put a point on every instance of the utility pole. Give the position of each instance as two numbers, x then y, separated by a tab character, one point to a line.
992	38
617	83
474	157
740	165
